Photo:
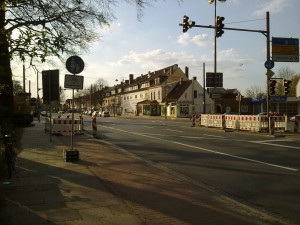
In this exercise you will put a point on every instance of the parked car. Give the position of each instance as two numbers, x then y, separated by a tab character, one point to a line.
45	113
95	113
294	117
105	114
262	114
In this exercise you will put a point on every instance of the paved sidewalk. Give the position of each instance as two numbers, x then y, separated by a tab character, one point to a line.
107	187
46	190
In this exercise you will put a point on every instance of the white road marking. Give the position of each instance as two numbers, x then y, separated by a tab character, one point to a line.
180	131
211	151
266	143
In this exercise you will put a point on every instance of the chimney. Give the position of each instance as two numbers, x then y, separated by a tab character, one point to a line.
186	72
194	78
130	78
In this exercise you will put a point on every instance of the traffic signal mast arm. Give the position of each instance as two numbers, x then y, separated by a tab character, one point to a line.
228	28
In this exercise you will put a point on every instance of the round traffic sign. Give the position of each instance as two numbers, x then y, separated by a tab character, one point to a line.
75	64
269	64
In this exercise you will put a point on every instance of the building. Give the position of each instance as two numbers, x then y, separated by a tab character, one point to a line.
165	92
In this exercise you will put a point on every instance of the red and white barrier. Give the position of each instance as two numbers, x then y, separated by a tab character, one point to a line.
244	122
63	126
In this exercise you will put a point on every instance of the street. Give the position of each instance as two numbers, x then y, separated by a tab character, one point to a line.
256	170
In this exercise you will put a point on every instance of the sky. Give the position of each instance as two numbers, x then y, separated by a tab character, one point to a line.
131	46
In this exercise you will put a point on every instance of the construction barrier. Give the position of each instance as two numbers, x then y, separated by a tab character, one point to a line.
215	121
204	120
63	126
244	122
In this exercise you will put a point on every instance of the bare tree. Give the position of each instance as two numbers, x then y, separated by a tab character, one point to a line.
254	92
287	74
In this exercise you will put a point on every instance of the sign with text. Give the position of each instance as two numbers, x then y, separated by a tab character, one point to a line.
73	81
285	49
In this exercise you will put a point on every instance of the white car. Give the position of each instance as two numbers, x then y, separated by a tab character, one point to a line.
95	113
105	114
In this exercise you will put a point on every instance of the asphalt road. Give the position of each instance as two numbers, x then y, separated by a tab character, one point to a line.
257	170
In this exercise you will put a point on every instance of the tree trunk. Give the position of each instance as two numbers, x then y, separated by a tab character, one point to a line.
6	84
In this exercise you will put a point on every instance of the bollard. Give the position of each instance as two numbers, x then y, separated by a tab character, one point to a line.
272	125
297	122
223	122
81	122
94	126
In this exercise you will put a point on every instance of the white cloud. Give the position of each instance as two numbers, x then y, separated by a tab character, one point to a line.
273	6
183	39
202	40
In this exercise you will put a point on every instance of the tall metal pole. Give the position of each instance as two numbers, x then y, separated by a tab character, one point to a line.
215	51
24	87
72	133
268	58
204	100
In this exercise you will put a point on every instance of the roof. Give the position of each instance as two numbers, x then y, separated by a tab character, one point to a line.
178	90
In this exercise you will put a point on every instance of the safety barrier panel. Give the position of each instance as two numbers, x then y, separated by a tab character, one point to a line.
244	122
215	121
204	120
61	126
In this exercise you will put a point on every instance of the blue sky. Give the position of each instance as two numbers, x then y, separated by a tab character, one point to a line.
157	41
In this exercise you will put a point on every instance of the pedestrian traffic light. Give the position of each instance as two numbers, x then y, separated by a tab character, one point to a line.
219	26
286	84
185	23
272	85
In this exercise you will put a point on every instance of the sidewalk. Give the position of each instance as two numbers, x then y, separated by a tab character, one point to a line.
107	187
46	190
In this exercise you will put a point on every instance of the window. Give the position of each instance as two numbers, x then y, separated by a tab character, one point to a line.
195	93
158	95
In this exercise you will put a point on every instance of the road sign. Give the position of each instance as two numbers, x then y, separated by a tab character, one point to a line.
285	58
269	64
75	64
270	73
285	41
282	49
73	81
285	49
214	79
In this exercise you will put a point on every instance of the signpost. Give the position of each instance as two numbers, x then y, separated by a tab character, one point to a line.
285	49
74	65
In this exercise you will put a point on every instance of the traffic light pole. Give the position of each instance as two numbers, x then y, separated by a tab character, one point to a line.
264	32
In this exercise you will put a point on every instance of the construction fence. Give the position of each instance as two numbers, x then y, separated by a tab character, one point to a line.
63	126
245	122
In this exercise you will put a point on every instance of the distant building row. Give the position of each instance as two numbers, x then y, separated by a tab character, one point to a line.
170	92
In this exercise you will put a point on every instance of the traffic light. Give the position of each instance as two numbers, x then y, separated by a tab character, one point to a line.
219	26
185	24
272	85
286	84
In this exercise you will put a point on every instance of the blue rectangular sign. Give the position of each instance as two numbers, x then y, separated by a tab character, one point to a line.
278	99
285	41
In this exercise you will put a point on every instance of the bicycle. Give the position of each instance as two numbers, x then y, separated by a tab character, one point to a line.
9	154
